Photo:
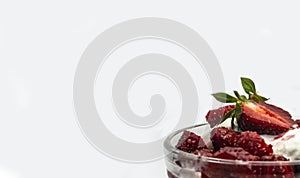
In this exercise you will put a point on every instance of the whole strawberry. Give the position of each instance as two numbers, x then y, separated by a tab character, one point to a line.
253	113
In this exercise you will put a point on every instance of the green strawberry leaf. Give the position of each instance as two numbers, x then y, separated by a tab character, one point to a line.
243	98
240	97
224	98
248	85
236	93
263	98
257	97
227	115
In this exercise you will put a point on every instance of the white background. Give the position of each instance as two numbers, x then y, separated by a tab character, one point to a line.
40	46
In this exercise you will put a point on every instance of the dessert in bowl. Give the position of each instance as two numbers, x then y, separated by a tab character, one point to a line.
247	139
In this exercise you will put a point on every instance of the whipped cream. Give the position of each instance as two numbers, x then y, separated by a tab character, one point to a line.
288	145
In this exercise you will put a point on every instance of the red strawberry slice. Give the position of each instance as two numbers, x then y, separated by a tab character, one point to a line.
222	136
254	144
264	118
213	117
190	142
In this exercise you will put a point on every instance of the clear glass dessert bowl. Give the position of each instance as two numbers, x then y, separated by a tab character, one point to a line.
181	164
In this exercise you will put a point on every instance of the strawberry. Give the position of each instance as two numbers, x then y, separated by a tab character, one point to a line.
222	136
264	118
254	144
276	109
235	153
190	142
281	171
213	117
215	169
274	158
250	171
253	113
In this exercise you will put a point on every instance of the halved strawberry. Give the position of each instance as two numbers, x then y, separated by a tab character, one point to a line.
190	142
254	144
276	109
213	117
253	113
264	118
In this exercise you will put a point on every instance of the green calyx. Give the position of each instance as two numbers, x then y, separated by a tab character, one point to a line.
249	88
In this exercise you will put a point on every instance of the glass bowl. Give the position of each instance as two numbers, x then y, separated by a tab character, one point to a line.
187	165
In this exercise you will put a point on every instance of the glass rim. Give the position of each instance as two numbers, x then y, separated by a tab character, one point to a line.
171	149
